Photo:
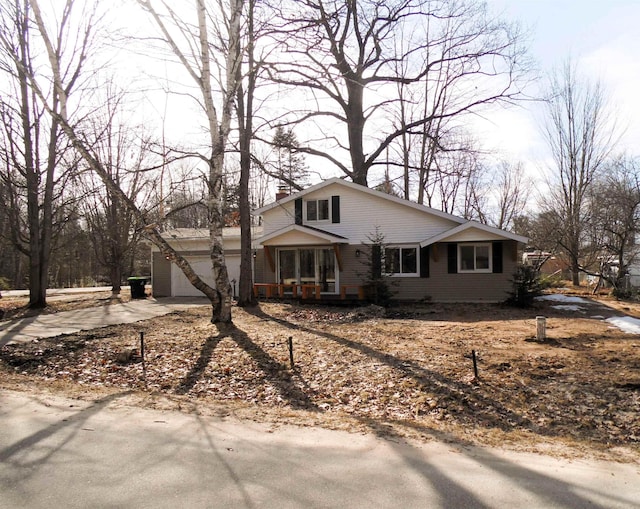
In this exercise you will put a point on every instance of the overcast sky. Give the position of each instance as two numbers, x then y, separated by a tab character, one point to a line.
602	36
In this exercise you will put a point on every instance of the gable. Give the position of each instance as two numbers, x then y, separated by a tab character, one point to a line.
472	231
474	235
354	212
296	235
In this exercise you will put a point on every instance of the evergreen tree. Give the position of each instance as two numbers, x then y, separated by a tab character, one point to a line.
291	170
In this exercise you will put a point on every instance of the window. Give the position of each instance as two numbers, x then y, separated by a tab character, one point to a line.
317	210
401	261
308	266
474	258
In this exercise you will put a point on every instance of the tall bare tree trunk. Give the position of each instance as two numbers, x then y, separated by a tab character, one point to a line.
218	124
581	133
220	297
37	280
245	125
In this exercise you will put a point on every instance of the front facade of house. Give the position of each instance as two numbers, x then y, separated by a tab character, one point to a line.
318	238
167	279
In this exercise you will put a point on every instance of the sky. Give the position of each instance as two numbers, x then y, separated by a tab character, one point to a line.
602	37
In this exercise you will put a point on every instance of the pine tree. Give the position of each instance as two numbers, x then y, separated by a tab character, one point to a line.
291	169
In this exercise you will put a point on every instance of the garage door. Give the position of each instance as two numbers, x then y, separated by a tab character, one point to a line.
180	286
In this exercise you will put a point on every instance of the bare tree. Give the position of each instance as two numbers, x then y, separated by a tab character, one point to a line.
509	191
196	58
83	147
343	54
37	162
581	135
614	223
245	113
122	152
420	148
455	183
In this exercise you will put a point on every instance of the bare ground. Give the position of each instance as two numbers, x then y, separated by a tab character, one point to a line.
405	373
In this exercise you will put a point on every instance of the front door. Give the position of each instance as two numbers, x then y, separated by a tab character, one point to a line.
308	266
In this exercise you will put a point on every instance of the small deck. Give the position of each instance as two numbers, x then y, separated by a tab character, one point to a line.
308	292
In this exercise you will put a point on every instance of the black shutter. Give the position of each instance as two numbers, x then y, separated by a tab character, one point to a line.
452	258
335	209
497	257
298	210
424	261
376	261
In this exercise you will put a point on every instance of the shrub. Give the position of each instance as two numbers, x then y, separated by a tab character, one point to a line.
377	285
625	292
551	281
526	286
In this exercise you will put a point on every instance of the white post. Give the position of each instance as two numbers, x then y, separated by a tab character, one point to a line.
541	328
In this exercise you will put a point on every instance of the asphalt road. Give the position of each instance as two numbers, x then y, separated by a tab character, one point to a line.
65	453
51	292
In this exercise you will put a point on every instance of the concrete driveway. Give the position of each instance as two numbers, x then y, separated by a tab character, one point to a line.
68	322
67	453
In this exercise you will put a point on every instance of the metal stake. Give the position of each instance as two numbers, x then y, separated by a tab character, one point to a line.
291	351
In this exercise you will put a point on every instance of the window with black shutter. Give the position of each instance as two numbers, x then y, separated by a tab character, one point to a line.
298	210
424	261
452	258
335	209
497	257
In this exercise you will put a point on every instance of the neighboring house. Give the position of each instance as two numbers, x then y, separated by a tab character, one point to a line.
316	239
546	263
167	279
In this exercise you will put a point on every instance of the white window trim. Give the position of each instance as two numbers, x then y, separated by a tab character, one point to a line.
475	245
403	274
304	210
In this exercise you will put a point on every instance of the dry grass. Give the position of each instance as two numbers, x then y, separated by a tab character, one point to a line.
408	373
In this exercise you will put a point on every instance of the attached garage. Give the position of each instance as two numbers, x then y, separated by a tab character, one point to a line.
180	285
167	279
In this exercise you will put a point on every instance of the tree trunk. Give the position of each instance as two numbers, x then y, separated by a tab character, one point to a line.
245	288
221	312
355	128
245	125
116	278
37	292
575	275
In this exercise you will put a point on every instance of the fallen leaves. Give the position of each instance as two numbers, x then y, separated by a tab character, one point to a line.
411	369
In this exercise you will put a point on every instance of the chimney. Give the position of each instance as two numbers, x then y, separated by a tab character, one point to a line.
283	192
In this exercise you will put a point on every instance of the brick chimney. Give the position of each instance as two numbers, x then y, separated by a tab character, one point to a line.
283	192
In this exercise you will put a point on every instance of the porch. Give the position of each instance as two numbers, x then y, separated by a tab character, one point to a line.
307	292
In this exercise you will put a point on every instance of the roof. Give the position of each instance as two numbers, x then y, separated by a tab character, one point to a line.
362	189
309	230
464	225
472	225
203	233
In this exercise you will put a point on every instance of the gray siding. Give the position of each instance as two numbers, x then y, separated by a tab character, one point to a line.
354	268
161	276
263	272
441	286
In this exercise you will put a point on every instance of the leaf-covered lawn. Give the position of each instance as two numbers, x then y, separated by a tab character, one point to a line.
409	372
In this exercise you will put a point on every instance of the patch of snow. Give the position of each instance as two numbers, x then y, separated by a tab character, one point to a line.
569	307
626	324
598	317
558	297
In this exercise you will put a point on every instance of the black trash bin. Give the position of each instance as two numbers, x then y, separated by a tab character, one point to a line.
137	287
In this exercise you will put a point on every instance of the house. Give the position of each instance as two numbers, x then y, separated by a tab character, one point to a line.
167	279
547	263
313	245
